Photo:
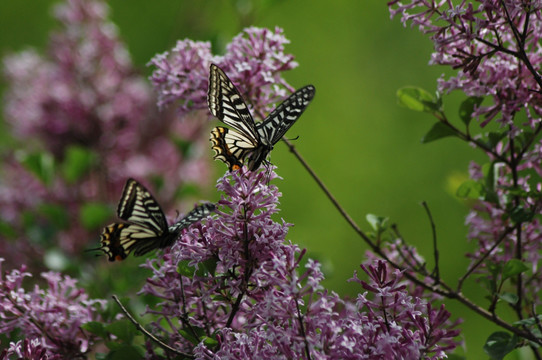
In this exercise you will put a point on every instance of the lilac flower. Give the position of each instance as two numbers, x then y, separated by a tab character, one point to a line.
181	75
28	350
234	286
489	225
496	45
51	316
479	40
254	61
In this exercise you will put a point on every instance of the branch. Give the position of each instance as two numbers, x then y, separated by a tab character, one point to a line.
334	201
442	288
436	272
148	334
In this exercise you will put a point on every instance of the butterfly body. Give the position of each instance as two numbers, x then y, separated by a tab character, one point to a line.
145	227
248	143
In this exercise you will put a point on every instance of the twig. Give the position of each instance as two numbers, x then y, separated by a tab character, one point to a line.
246	275
302	329
436	275
148	334
473	267
410	258
328	194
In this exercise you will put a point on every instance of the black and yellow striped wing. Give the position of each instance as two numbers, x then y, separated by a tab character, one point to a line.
285	115
225	146
138	206
145	227
248	143
226	103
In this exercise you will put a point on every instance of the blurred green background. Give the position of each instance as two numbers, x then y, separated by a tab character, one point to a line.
358	140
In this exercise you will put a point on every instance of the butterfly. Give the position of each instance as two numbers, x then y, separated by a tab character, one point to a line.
145	227
248	142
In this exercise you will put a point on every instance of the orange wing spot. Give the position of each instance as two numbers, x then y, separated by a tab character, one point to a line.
235	167
119	258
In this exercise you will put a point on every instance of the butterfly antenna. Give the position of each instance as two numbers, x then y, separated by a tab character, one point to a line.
294	139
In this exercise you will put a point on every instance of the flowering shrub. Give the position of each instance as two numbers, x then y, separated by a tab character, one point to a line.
495	45
48	319
236	289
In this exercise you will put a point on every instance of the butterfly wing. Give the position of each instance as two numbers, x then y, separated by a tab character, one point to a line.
145	228
138	206
227	104
230	146
135	238
273	128
199	212
118	240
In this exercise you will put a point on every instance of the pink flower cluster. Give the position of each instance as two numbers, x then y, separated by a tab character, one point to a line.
497	47
254	61
485	39
48	318
234	281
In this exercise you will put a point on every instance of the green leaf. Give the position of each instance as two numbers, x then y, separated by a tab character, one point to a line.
125	352
96	328
210	342
509	298
438	131
123	329
520	215
378	223
512	268
56	214
207	266
190	336
529	321
489	284
418	99
42	165
493	138
524	138
455	357
186	270
93	215
77	162
101	356
470	189
467	107
499	344
7	231
491	172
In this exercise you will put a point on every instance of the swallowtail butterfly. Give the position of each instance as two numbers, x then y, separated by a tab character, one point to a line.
145	227
248	142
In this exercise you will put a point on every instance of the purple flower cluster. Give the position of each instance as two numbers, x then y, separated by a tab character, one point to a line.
254	60
496	45
28	350
49	318
485	39
234	287
492	230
